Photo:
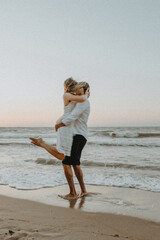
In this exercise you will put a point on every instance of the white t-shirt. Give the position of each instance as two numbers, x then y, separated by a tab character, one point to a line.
80	116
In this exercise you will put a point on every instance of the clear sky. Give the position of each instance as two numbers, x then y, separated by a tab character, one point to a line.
112	44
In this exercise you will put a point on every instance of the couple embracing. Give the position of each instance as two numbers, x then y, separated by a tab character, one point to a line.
71	130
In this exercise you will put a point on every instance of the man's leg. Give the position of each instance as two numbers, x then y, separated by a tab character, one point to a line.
69	176
79	175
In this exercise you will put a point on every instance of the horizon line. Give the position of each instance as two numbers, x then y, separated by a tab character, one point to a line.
88	126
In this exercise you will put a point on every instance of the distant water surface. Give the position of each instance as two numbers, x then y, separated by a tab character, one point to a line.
113	156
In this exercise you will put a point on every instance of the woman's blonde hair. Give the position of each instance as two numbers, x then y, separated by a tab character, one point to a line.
70	84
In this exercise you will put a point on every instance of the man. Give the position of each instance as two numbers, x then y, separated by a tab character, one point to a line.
79	116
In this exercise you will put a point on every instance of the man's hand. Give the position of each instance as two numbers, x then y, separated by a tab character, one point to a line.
58	126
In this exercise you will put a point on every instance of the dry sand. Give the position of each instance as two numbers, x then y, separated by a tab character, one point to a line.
28	220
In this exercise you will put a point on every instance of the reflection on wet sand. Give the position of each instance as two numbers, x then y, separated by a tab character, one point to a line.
72	202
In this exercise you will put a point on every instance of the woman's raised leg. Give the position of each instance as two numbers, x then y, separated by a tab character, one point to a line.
51	149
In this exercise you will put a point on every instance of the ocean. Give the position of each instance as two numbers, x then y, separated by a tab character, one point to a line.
113	156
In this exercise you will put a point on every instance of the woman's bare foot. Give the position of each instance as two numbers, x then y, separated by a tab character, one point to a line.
37	141
69	196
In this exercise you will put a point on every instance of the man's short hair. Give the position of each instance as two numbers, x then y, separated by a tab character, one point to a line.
83	84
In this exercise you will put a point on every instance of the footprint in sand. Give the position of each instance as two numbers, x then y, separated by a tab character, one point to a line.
15	236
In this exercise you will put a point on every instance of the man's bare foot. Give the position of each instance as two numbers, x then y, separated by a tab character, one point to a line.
87	194
37	141
69	196
83	194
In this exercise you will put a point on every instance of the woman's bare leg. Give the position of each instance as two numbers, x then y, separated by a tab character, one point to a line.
52	150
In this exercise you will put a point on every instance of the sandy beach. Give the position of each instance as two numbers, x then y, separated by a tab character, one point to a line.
24	216
79	87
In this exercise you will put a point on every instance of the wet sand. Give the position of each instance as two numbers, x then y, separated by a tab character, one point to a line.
87	218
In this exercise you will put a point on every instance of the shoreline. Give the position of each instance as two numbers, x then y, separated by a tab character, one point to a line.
102	199
29	220
42	215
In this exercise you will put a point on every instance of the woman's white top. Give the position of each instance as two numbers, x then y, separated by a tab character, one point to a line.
65	134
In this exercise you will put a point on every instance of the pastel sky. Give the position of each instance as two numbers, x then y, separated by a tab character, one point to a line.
112	44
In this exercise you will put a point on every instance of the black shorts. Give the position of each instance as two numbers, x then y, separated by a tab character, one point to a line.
78	144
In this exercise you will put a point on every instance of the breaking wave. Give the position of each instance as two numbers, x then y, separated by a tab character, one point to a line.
93	142
100	164
126	134
19	144
48	161
126	144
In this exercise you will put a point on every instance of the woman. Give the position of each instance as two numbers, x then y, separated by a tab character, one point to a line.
65	134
